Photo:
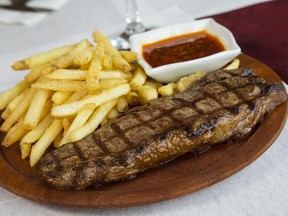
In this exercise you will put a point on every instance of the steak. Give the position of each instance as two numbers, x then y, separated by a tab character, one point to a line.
220	107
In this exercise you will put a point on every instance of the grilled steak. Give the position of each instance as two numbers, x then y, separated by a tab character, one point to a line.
222	106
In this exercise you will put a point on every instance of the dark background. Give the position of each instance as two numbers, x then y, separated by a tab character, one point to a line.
262	32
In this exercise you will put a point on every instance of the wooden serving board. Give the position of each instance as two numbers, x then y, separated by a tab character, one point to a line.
179	177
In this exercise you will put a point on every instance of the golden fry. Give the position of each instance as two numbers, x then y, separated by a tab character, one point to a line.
122	104
147	93
139	79
60	63
109	83
233	65
66	124
42	58
94	121
153	83
185	82
115	75
75	97
60	97
9	95
118	61
35	134
19	111
104	122
92	78
107	62
25	149
57	140
84	57
67	74
39	148
129	55
78	122
167	90
5	114
132	98
67	60
103	97
113	113
36	107
13	104
61	85
14	134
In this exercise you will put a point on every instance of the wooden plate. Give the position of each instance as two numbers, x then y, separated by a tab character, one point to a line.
182	176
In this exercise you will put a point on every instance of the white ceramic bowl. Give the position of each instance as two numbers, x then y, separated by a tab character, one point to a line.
172	72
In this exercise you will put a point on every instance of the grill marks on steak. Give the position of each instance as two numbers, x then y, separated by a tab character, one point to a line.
221	106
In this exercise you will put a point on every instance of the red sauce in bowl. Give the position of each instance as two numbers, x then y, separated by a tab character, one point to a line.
181	48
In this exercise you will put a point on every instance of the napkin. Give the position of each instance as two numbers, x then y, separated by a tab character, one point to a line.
28	17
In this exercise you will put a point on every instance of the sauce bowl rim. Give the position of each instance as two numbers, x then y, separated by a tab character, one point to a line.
209	25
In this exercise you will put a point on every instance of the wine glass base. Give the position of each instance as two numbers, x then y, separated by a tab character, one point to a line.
120	43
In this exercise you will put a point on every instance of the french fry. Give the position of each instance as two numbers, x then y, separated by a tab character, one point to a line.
75	97
66	124
115	75
167	90
39	148
113	113
109	83
61	85
25	149
9	95
60	97
35	73
19	111
185	82
117	59
5	114
153	83
78	122
13	104
139	79
85	67
46	109
129	55
35	134
104	122
67	74
84	57
14	134
42	58
35	109
94	121
99	99
147	93
132	98
60	63
57	140
68	59
92	78
122	104
233	65
107	62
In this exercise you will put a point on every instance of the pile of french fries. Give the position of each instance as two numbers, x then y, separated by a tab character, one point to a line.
72	90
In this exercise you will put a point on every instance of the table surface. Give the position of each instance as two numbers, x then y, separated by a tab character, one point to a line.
259	189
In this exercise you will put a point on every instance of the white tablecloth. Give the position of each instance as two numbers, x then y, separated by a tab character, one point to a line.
260	189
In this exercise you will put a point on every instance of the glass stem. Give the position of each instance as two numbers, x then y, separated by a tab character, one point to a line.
133	19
